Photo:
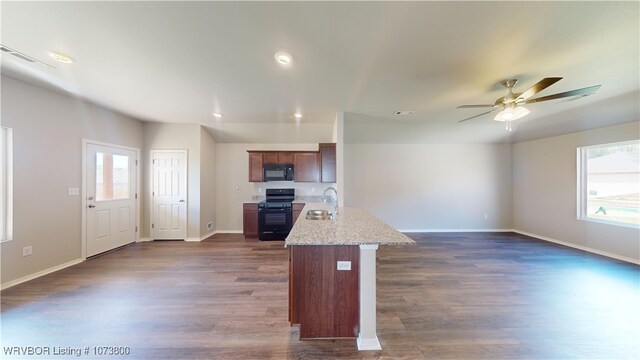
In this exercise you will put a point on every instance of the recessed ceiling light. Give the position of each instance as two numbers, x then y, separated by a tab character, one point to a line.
283	58
298	115
217	115
61	57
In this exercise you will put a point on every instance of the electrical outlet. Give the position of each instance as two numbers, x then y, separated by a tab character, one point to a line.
27	250
344	265
486	216
72	191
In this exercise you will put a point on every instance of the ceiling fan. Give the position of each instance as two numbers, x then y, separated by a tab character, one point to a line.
511	104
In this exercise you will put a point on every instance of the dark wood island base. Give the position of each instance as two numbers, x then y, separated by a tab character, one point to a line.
324	300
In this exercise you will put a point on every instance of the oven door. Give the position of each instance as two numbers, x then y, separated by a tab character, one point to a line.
274	224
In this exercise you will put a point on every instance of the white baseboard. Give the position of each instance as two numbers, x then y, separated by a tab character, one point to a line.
11	283
452	230
207	235
228	231
192	239
144	239
579	247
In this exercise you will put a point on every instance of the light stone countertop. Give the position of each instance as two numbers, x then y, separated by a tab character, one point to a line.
352	226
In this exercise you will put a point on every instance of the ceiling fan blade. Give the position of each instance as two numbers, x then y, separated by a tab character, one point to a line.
475	106
475	116
577	92
541	85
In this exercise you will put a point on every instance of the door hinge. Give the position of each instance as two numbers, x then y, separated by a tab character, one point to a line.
152	226
153	193
153	161
136	229
136	195
136	162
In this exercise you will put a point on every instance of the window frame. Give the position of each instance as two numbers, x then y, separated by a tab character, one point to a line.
581	188
6	186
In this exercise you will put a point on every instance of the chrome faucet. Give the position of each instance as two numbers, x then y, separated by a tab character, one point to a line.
324	198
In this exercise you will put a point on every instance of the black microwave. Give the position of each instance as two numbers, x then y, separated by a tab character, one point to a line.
277	172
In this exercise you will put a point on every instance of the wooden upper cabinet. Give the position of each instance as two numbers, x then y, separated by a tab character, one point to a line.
278	157
270	157
255	166
306	167
286	157
328	163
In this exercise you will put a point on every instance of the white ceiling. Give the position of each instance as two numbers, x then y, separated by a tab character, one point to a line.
181	61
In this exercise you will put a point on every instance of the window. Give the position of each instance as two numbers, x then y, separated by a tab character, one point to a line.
6	189
609	183
112	177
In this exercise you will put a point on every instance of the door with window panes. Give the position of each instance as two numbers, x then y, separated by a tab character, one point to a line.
111	204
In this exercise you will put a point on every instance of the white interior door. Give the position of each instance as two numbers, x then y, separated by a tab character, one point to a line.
169	195
111	197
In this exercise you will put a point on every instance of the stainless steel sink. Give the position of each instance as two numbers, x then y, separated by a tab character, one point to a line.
319	215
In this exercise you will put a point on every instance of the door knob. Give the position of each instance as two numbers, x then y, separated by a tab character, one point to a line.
181	201
91	206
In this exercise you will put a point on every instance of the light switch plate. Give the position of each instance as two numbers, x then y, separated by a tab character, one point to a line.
344	265
73	191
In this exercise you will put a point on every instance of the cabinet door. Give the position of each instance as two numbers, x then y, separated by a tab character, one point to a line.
250	220
328	161
325	301
255	167
297	210
306	167
286	157
270	158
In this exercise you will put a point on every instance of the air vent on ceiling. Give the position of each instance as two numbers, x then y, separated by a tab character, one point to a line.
404	112
23	56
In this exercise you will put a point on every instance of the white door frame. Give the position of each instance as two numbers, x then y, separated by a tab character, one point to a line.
85	143
151	184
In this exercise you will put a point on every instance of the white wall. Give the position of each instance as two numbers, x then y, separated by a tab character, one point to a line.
207	182
544	192
161	136
431	186
48	129
233	186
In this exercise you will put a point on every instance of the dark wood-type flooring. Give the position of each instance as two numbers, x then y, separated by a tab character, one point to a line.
451	296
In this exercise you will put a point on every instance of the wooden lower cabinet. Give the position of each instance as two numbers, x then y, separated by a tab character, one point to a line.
297	210
250	220
324	301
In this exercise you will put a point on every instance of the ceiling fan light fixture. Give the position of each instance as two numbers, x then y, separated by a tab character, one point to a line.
511	113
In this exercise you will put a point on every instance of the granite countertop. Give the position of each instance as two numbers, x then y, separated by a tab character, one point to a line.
352	226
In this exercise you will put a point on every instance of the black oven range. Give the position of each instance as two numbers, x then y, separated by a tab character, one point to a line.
274	214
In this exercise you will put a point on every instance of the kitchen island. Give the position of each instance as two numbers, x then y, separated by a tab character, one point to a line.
332	273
